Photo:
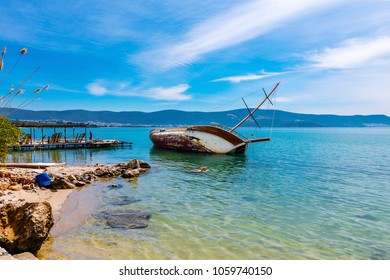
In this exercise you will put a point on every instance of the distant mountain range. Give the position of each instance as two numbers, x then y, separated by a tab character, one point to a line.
174	118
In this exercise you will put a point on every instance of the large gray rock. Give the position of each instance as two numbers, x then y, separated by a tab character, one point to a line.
130	173
144	165
123	200
103	172
24	227
132	219
62	183
132	164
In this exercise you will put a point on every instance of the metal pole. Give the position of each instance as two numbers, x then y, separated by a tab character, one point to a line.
254	110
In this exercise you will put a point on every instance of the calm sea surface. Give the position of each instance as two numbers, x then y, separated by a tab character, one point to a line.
318	193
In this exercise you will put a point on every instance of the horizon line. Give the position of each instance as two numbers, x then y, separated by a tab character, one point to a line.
136	111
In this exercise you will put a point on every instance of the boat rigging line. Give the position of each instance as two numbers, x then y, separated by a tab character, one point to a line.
254	110
273	116
250	112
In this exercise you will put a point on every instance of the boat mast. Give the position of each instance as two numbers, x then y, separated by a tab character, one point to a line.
254	110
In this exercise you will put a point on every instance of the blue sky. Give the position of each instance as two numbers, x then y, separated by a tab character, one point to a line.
330	56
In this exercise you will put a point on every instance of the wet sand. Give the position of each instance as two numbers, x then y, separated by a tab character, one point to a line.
56	198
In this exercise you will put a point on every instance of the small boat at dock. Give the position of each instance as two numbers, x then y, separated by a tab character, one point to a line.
214	138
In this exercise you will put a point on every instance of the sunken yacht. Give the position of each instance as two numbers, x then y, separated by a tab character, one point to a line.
214	139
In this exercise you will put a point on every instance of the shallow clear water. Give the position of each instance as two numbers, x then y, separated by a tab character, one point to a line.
320	193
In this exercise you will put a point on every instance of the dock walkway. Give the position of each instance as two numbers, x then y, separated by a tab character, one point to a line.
62	139
89	144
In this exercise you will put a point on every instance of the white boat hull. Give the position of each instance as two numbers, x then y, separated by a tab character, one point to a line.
206	139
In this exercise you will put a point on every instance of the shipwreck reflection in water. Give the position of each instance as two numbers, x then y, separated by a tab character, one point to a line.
220	168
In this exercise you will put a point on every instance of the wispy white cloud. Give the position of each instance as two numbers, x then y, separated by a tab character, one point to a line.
171	93
345	91
242	23
105	87
124	89
63	89
353	53
283	99
248	77
96	89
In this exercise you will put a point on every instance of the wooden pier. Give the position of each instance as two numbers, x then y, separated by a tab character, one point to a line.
62	140
89	144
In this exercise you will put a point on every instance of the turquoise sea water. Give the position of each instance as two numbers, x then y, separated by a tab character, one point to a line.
318	193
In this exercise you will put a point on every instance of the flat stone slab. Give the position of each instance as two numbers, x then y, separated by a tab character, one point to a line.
123	200
129	220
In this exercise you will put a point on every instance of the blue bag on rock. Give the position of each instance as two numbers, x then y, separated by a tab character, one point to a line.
43	179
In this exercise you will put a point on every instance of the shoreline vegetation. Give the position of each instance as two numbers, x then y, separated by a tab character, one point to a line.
26	207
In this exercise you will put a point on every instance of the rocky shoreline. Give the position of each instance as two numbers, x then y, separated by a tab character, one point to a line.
27	210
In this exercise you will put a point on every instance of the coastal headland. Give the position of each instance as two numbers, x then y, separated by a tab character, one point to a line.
28	211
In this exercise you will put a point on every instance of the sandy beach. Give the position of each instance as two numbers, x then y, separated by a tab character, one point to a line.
24	189
18	186
56	197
